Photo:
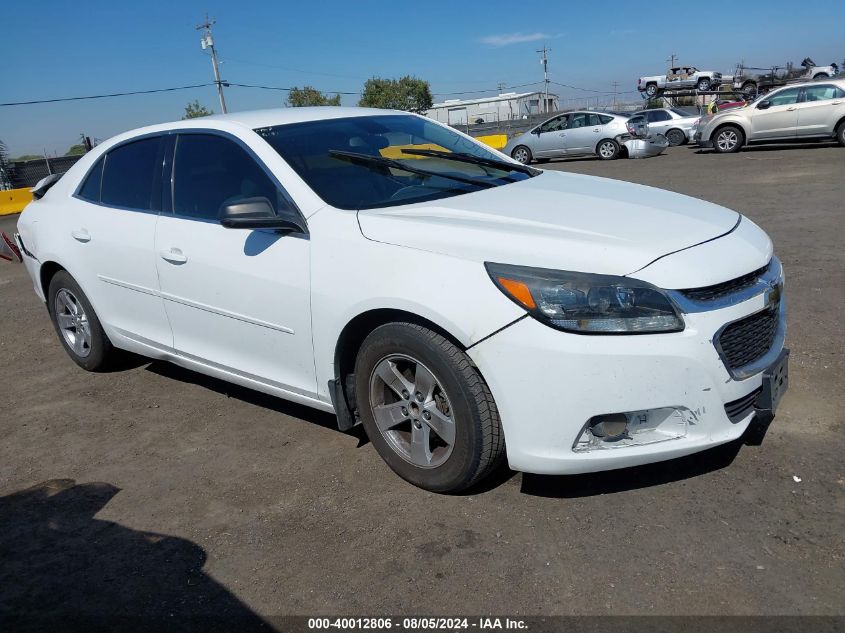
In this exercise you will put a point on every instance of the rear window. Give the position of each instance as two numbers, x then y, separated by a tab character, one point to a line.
129	173
91	188
605	119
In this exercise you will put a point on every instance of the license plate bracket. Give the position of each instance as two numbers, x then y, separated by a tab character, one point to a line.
775	384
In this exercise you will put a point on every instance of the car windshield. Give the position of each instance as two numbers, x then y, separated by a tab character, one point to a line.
387	160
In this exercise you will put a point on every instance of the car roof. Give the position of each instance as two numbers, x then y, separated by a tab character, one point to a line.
280	116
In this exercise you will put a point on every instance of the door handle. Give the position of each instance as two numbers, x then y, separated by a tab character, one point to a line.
174	256
835	102
81	235
596	130
562	134
790	109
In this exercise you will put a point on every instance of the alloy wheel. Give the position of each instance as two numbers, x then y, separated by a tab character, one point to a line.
73	323
412	411
727	140
521	155
607	149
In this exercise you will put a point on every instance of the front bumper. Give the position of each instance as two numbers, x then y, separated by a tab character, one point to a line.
548	384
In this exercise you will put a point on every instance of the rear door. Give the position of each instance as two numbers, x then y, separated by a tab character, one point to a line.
779	119
659	121
584	133
819	109
113	233
238	300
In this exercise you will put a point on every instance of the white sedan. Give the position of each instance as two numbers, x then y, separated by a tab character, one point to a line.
461	306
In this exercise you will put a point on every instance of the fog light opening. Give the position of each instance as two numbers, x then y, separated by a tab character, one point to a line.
609	428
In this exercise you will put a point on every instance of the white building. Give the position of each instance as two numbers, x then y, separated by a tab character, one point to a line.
506	106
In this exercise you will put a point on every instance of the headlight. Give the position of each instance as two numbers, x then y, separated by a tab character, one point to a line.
586	303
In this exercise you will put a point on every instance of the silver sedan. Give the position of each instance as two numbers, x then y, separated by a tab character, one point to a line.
570	134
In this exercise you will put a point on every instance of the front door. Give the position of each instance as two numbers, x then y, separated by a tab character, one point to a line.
238	300
552	138
779	119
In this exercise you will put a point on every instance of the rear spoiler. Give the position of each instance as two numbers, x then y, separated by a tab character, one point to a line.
44	185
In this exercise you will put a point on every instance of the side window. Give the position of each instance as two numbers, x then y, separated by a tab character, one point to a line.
655	116
553	125
822	92
785	97
605	119
593	120
129	173
91	189
579	120
210	170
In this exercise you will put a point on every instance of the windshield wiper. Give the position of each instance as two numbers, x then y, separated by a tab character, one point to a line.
369	161
474	160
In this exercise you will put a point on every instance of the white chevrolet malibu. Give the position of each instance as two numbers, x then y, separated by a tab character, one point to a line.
461	306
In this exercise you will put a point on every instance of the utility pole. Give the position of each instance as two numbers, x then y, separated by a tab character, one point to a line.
207	41
672	59
615	85
501	86
545	61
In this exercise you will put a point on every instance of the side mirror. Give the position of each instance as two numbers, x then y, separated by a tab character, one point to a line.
255	213
764	105
536	130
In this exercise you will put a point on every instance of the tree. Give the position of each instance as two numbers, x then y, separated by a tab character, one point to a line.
194	110
309	96
408	93
76	150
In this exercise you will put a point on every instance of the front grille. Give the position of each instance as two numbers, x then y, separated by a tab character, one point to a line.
747	340
717	291
741	407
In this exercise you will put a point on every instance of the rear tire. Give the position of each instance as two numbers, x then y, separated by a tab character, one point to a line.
749	90
728	139
840	134
426	409
77	325
607	149
676	137
521	154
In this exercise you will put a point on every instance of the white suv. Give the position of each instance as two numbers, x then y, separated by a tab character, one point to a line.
794	113
382	266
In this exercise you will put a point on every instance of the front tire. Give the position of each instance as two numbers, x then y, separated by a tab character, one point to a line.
728	139
608	149
521	154
676	137
703	84
651	90
77	325
749	90
426	409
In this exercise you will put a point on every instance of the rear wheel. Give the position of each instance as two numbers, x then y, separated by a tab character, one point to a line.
728	139
840	133
426	409
821	76
676	137
608	149
749	90
521	154
77	325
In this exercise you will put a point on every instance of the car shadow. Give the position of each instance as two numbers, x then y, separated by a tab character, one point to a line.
63	569
256	398
773	147
657	474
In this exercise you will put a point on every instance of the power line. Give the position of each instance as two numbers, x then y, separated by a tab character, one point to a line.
104	96
286	89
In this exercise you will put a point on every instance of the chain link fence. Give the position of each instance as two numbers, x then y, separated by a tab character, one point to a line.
26	173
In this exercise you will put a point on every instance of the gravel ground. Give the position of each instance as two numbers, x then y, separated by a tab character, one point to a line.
154	490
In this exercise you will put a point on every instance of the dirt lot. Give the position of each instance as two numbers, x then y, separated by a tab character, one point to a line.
156	490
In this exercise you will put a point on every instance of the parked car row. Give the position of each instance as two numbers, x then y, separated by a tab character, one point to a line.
808	110
601	134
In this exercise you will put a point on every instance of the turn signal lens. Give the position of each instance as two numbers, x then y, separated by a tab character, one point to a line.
519	291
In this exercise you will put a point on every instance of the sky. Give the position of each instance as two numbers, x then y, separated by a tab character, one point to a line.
52	49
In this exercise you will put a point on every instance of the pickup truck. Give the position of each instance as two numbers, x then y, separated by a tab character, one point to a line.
752	81
679	78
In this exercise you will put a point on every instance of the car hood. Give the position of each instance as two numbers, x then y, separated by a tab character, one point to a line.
555	220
